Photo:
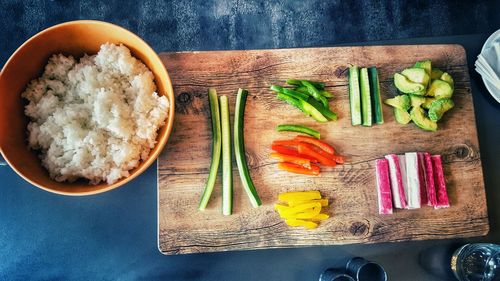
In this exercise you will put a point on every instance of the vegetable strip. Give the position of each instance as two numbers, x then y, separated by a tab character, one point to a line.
227	173
239	149
299	129
216	148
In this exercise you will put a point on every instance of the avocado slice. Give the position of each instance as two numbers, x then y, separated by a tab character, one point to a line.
405	85
439	107
436	73
424	64
402	116
428	102
417	75
417	115
402	102
440	89
416	100
448	79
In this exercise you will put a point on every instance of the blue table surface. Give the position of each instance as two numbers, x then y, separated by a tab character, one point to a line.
113	236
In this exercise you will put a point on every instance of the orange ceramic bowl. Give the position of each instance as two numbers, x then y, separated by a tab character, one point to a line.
71	38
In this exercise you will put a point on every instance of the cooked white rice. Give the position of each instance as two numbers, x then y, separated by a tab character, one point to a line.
96	118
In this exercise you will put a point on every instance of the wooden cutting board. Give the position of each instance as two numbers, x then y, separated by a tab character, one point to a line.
183	165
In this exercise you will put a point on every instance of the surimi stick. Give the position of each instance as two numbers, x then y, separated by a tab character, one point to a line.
402	167
442	195
429	180
397	186
421	177
412	180
383	187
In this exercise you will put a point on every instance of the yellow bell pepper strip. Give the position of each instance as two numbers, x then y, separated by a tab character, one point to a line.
299	195
304	223
320	217
324	202
301	208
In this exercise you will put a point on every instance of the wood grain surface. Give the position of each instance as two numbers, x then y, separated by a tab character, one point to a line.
183	165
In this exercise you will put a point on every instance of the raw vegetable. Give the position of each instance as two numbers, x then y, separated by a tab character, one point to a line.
291	93
417	75
440	89
298	129
416	100
428	102
321	144
354	96
227	173
383	187
439	107
436	73
313	170
412	180
406	86
426	65
309	150
315	93
302	208
293	152
312	111
401	102
299	195
291	159
303	89
442	195
418	117
296	82
290	100
448	79
216	148
366	104
239	149
323	110
378	115
397	184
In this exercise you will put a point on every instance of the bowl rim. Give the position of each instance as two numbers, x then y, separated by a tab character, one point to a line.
161	142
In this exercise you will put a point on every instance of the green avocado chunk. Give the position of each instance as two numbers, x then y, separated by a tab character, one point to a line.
406	86
436	73
402	102
417	75
417	115
416	100
402	116
440	89
424	64
448	79
428	102
439	107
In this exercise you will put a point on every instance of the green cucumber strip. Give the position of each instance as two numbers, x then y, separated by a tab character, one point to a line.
239	149
354	96
378	114
315	93
366	104
323	110
298	129
297	82
227	173
216	149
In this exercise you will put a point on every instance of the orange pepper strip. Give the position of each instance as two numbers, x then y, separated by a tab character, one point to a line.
291	159
308	150
297	169
339	159
321	144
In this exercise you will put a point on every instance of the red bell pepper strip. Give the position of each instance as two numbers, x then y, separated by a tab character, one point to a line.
291	159
291	151
297	169
321	144
307	149
292	143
